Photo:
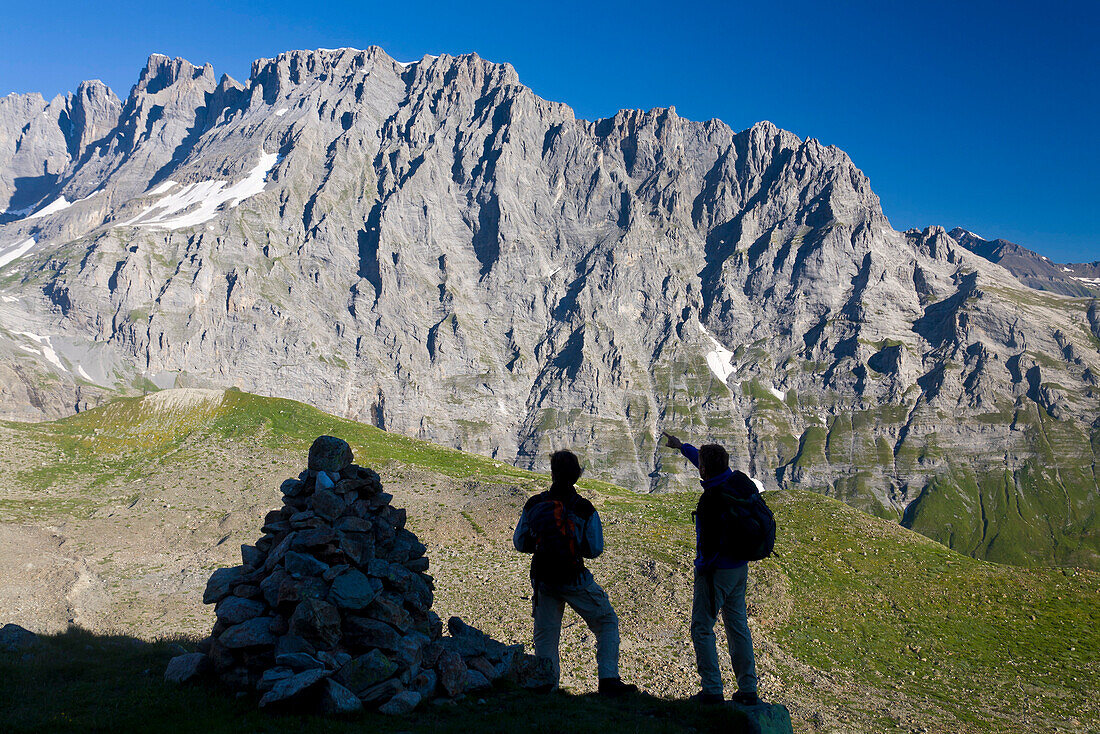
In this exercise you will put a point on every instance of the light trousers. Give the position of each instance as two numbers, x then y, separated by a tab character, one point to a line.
593	606
722	590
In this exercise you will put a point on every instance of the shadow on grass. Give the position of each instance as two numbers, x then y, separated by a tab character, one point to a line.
77	681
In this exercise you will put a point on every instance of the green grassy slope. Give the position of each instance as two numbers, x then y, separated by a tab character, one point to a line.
859	622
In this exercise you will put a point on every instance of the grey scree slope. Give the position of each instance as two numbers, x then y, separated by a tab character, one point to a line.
433	248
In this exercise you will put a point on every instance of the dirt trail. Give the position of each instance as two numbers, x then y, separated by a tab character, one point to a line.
45	589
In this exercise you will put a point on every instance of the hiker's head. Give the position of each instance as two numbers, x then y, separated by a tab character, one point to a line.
565	467
713	460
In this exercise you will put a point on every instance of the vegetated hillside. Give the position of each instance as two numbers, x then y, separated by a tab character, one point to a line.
432	248
114	519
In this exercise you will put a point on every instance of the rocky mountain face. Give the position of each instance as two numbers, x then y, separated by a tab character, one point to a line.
432	248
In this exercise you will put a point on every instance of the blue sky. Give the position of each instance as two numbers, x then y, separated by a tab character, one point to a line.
979	114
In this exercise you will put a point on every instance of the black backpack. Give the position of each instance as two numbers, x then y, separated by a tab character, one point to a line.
745	525
557	558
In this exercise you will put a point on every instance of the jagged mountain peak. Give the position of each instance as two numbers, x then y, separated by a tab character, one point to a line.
163	71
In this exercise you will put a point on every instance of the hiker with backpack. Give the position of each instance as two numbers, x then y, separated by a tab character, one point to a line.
733	525
561	529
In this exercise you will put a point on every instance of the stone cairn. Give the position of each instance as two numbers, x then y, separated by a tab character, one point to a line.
331	610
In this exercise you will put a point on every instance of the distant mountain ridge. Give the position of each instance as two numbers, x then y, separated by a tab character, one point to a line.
434	249
1032	269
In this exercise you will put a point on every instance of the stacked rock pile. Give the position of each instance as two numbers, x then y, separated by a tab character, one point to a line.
331	609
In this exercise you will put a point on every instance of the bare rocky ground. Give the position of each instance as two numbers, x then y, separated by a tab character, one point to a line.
130	553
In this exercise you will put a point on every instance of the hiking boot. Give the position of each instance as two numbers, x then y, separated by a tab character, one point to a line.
708	699
614	687
745	698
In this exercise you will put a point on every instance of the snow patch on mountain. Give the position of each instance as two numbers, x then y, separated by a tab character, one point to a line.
197	203
47	349
53	207
720	359
162	188
14	252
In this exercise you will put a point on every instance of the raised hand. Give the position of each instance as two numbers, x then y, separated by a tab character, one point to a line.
672	441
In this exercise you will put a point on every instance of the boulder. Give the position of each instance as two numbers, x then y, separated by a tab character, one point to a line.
452	673
271	676
316	621
234	610
329	454
765	718
475	681
381	692
353	590
366	671
339	701
221	583
300	564
328	505
186	668
402	703
369	633
252	633
424	683
292	687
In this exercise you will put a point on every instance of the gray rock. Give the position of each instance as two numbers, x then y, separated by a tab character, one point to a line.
252	557
329	454
359	548
271	585
482	665
424	683
317	622
298	661
366	671
296	685
452	673
280	550
411	648
292	487
381	692
354	525
765	718
328	505
353	590
339	701
186	668
293	590
221	583
255	632
313	538
15	638
371	633
300	564
388	608
272	676
401	704
475	681
234	610
290	644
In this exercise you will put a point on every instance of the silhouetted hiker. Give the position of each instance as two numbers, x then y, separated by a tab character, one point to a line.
561	529
720	576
